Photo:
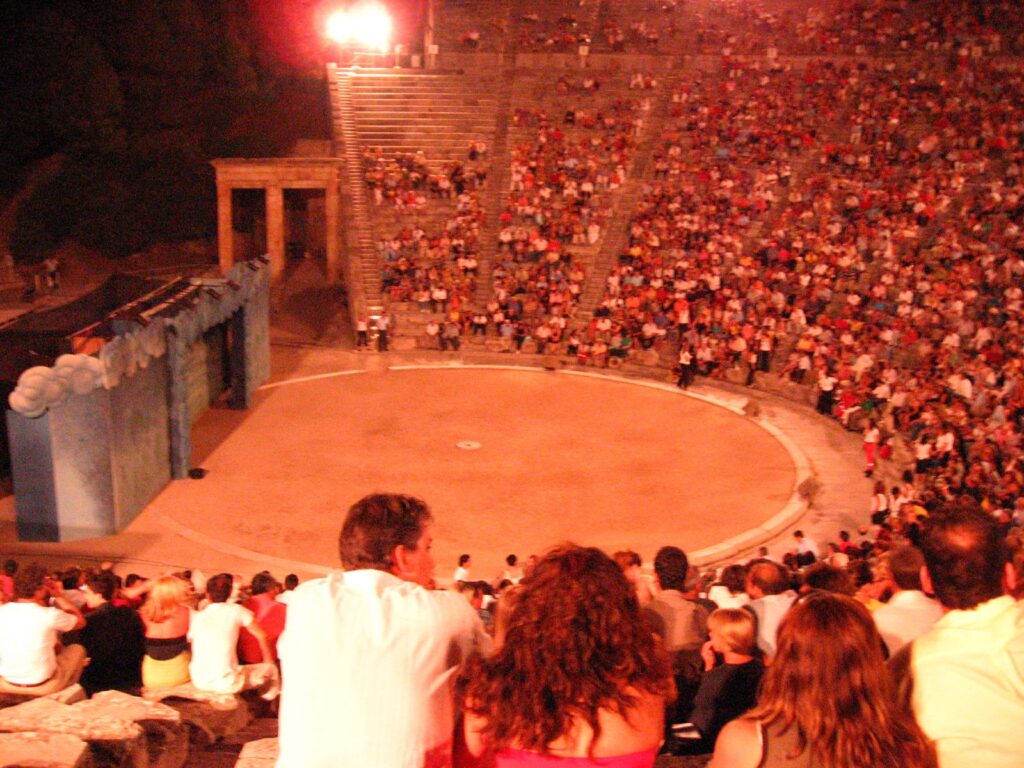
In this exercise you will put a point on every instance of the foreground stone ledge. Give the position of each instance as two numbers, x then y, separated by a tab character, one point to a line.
44	750
258	754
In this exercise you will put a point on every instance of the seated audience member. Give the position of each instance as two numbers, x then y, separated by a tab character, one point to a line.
770	598
165	616
369	654
7	578
590	687
113	637
730	589
728	687
214	632
513	572
270	616
807	551
291	581
827	699
629	563
822	577
909	612
30	664
681	624
967	671
462	572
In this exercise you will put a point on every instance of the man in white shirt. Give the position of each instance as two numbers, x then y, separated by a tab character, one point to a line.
910	612
968	670
369	655
807	550
213	633
29	631
770	600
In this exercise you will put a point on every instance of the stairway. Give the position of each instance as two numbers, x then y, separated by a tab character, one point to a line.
497	189
360	248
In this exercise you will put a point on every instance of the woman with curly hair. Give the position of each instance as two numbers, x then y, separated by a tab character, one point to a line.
827	700
579	679
165	615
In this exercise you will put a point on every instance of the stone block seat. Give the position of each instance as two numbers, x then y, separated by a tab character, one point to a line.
118	730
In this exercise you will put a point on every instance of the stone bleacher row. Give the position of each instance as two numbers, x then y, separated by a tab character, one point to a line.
710	27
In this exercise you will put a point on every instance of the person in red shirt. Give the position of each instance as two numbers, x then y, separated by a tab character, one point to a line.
270	616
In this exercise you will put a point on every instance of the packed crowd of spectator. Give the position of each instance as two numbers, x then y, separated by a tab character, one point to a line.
894	647
970	28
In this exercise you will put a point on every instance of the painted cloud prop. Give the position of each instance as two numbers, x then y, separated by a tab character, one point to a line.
41	387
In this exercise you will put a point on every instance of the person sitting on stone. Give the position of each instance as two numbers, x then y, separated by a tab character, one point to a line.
214	632
32	663
114	639
270	617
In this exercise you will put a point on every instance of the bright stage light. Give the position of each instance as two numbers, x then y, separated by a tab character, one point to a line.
366	26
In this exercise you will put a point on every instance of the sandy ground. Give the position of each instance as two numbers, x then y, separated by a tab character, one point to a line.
560	457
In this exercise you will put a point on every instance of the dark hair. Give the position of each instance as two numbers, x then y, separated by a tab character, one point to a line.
626	558
131	579
291	581
71	577
769	577
219	587
829	682
10	567
463	559
576	643
103	583
966	553
28	580
734	578
511	561
262	582
378	523
827	578
670	566
904	565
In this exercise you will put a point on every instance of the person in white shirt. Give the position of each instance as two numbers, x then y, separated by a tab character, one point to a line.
807	550
967	671
910	612
770	600
29	630
369	655
213	633
462	572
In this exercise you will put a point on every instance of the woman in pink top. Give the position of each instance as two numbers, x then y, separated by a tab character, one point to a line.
579	679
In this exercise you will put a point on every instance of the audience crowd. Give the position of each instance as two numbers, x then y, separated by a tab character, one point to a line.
898	647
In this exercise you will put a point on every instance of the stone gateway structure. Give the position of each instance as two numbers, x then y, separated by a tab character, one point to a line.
274	175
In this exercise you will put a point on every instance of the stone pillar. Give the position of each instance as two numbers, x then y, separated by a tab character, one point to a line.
331	211
275	229
225	233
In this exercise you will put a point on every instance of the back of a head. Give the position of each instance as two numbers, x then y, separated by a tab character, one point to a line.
378	523
734	578
904	565
768	577
262	582
28	580
291	581
10	567
574	643
219	587
671	566
828	578
511	561
966	555
626	558
737	628
692	578
829	679
165	596
103	583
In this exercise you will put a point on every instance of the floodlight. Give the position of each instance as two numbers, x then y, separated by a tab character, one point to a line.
365	26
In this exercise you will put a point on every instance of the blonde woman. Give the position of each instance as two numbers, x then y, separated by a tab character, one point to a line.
165	615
